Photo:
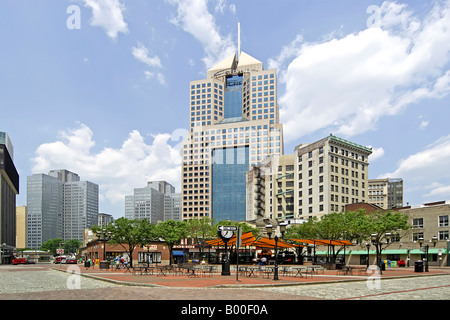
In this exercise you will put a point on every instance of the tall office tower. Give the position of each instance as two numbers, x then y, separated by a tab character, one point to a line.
331	173
234	125
9	188
59	205
80	208
155	202
318	179
44	209
386	193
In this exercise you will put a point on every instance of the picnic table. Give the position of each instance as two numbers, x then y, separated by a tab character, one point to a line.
348	270
251	271
162	270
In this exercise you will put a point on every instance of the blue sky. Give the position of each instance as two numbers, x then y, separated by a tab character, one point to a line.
100	87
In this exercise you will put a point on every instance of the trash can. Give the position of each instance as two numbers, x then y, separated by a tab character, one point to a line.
104	264
87	264
418	266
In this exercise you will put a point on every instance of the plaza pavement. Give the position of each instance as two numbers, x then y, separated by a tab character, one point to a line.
49	282
218	281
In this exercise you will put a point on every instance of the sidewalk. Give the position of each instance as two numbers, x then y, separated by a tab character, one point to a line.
218	281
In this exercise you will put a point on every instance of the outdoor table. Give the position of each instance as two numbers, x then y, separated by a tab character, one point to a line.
161	271
347	270
251	271
285	270
243	270
299	271
191	271
313	269
146	269
268	271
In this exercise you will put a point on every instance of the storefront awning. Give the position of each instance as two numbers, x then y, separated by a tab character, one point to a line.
430	251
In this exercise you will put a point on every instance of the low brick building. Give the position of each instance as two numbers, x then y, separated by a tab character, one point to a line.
155	252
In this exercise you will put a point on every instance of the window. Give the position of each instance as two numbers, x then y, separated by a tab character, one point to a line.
443	221
418	223
443	235
417	236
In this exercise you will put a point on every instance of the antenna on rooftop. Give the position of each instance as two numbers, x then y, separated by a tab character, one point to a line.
239	40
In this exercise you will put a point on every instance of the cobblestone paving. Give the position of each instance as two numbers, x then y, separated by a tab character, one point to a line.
41	283
22	279
420	288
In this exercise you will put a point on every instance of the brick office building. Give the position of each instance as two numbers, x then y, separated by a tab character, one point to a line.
157	252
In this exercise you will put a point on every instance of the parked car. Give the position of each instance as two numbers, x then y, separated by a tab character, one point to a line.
19	261
60	259
71	261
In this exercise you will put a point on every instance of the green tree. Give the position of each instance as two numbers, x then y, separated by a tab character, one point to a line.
51	245
69	246
381	223
129	234
201	230
171	232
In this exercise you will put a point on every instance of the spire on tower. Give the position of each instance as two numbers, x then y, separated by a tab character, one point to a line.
239	41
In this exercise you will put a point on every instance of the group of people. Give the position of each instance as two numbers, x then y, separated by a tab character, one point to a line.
119	262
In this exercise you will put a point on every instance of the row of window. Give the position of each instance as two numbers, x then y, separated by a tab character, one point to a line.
442	222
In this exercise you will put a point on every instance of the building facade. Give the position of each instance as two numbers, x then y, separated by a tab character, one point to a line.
234	125
9	188
59	205
428	220
331	173
386	193
319	178
155	202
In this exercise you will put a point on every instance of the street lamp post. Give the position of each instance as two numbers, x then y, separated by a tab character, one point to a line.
427	247
104	236
376	241
269	229
368	249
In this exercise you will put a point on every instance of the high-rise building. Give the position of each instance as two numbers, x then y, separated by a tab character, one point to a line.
234	125
332	172
386	193
319	178
155	202
59	205
9	188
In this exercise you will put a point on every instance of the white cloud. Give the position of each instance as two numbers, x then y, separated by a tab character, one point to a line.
108	14
376	153
141	53
194	18
429	168
117	170
347	84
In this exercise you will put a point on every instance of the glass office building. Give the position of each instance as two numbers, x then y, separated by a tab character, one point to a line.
59	205
234	125
228	175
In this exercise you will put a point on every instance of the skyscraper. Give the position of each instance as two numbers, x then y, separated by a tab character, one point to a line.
319	178
155	202
9	188
59	205
234	125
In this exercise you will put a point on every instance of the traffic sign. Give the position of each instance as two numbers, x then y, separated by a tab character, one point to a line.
60	251
227	228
